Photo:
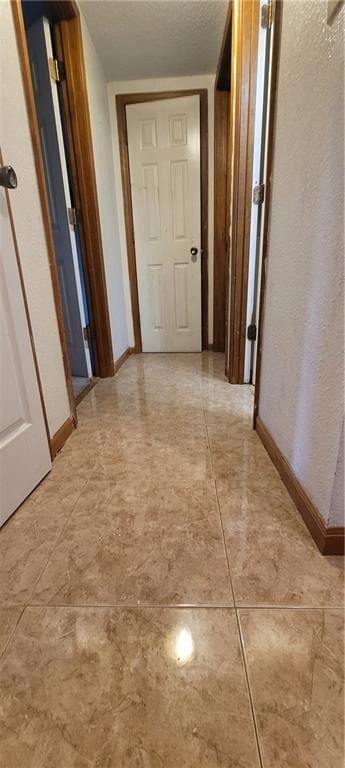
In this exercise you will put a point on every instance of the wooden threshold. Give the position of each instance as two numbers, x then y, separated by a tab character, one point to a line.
330	541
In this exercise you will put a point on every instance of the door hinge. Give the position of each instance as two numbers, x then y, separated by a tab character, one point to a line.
251	332
72	216
267	15
258	194
87	334
57	70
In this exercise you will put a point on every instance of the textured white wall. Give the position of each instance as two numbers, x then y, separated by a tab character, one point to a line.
102	148
163	84
17	150
302	386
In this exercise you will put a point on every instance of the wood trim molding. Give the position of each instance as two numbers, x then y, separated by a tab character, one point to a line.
221	215
244	45
121	101
222	169
58	440
42	188
330	541
68	38
122	359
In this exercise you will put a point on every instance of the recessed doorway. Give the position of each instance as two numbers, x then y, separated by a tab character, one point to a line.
164	161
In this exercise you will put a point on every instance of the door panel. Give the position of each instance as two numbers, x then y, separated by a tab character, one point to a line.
24	450
181	295
40	51
164	155
179	177
151	197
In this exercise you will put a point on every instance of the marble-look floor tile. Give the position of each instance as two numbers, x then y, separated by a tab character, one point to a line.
9	616
129	516
295	661
138	543
29	535
159	429
158	457
236	417
273	559
239	456
177	412
121	688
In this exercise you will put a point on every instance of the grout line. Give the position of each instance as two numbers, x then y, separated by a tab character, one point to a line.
239	629
130	606
179	606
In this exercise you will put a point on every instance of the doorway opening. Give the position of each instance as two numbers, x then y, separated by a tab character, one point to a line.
72	132
244	113
63	216
171	160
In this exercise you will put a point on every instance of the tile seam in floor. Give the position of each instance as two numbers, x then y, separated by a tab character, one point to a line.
179	606
249	691
187	606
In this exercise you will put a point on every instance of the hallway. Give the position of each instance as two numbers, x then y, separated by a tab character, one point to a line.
162	603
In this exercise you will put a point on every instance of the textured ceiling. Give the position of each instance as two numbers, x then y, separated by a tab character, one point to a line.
154	38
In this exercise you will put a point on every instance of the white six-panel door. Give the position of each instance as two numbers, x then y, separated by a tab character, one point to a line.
164	156
24	451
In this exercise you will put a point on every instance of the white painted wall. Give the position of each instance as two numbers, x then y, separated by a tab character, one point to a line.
302	386
107	200
17	150
163	84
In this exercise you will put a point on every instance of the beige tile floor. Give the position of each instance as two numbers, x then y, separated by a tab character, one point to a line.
161	602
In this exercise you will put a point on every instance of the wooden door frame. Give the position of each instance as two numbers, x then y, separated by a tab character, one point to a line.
244	49
67	22
222	171
121	101
271	134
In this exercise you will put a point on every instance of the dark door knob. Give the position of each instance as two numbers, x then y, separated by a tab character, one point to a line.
8	177
194	251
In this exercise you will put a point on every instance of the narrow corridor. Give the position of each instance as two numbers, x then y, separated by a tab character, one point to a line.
162	603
